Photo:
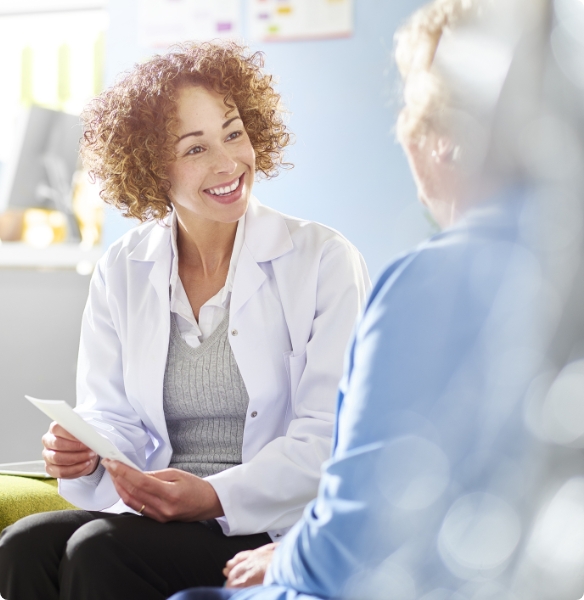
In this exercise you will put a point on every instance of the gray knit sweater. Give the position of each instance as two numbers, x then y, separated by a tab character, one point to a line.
205	403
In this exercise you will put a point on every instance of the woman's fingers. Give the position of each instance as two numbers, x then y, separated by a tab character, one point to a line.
60	431
245	575
249	568
169	494
239	557
169	485
230	564
169	475
66	457
72	472
131	501
58	438
237	575
63	434
136	483
138	489
147	505
67	467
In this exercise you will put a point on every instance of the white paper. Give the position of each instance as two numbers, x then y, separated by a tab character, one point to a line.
281	20
60	411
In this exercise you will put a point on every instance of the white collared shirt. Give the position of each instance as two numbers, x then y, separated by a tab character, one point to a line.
215	309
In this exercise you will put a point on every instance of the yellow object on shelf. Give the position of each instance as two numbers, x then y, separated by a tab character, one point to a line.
42	227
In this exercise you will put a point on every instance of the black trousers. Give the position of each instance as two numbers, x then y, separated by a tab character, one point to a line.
83	555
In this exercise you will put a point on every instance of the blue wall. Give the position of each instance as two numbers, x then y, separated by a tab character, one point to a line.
343	96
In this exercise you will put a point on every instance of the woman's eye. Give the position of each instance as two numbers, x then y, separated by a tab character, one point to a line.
233	135
195	150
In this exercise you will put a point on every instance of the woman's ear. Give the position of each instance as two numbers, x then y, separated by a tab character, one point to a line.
446	151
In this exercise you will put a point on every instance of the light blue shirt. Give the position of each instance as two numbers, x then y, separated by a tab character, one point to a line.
426	492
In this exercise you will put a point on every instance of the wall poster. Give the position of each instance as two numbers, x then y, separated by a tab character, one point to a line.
282	20
162	23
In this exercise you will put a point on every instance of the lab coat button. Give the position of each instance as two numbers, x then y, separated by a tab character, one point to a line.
234	332
254	414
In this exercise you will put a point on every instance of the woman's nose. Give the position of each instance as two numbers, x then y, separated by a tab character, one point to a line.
223	162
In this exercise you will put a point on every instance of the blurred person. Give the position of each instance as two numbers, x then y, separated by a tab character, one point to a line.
211	344
433	483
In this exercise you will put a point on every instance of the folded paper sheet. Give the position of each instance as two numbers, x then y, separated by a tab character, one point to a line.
60	411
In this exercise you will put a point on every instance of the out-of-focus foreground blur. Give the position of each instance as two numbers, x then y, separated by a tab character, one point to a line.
503	516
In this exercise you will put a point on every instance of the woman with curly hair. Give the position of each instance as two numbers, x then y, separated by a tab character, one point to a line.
211	344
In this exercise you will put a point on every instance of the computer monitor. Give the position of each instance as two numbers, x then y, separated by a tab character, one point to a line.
39	172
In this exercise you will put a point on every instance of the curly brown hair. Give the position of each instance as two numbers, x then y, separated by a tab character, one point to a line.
127	142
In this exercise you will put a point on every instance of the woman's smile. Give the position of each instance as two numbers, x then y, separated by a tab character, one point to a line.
228	192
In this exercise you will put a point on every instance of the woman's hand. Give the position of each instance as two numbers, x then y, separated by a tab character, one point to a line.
65	456
249	567
167	495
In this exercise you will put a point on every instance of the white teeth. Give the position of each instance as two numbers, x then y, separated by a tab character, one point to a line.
222	191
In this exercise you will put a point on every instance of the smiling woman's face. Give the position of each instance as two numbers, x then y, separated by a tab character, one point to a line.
212	175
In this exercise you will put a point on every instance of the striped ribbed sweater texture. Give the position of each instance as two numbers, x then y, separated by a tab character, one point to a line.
205	403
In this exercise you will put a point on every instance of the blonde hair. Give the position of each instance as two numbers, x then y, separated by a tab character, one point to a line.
425	93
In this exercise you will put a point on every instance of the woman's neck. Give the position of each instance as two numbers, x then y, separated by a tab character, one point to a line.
205	245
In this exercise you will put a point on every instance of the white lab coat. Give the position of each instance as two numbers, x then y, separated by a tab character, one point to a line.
297	289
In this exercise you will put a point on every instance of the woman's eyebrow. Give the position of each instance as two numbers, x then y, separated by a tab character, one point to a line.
182	137
227	123
197	133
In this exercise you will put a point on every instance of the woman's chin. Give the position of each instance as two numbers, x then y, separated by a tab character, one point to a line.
229	213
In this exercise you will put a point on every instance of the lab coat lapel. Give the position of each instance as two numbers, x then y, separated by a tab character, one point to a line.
266	238
249	277
154	353
153	323
155	248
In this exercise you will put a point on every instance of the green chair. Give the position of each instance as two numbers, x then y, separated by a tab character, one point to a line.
22	496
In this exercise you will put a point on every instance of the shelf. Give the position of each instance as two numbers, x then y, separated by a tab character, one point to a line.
16	255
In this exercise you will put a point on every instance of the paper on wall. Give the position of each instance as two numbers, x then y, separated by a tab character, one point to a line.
281	20
60	411
162	23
